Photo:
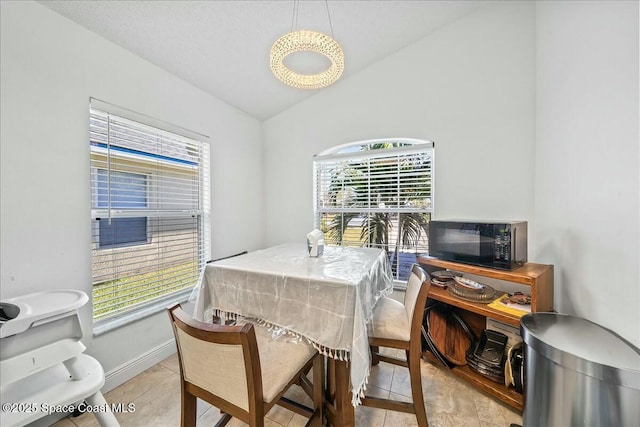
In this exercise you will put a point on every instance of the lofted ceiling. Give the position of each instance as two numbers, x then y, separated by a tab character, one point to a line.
222	47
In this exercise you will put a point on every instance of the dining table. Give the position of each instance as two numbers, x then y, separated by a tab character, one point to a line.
326	301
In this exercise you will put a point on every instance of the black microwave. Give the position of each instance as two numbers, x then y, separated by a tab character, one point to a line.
494	244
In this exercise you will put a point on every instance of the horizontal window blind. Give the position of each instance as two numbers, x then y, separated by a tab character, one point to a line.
149	211
377	194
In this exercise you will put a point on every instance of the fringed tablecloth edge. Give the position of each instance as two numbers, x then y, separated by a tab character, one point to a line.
337	354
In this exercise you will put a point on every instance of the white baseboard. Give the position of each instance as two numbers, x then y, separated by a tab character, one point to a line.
130	369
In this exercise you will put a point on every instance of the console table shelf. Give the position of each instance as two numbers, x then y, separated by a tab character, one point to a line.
538	277
474	307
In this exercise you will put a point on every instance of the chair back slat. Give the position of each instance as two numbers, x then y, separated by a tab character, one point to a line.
414	284
222	365
218	368
221	359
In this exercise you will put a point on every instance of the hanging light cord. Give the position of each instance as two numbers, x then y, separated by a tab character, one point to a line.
296	9
326	3
294	17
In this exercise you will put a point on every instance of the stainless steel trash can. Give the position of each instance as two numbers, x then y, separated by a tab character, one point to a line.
578	373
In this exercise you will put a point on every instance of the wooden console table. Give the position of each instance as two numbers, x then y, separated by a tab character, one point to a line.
538	277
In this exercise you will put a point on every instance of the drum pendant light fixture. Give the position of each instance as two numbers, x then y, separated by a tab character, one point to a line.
307	41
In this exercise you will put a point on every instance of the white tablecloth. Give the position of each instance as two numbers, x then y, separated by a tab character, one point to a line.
327	300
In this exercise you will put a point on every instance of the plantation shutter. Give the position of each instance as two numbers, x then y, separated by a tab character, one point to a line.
149	212
366	188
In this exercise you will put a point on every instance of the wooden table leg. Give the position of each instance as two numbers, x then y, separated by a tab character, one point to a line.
330	392
345	414
331	380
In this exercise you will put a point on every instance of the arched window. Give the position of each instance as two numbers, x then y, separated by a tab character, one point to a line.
376	193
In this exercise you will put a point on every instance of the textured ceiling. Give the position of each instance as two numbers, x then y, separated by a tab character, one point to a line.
222	47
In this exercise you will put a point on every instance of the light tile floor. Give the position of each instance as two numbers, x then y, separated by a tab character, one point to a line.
449	401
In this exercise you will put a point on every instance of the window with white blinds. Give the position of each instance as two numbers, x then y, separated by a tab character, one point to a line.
149	215
377	193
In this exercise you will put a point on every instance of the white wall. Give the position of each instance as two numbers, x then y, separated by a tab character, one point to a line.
469	86
534	110
49	68
587	167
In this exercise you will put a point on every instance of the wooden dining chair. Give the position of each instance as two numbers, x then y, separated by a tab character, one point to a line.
399	326
242	370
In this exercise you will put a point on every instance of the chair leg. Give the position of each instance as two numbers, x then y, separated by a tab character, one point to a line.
188	412
374	355
256	422
413	360
224	420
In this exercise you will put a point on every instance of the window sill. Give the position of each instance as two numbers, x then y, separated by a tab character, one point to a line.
103	326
